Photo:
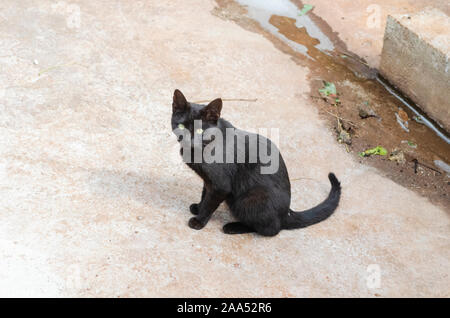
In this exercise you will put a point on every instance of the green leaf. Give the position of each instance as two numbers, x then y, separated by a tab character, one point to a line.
411	144
328	89
419	119
306	9
381	151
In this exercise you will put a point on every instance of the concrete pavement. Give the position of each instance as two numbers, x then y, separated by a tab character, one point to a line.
94	199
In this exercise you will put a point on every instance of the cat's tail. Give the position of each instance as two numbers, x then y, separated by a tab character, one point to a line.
296	220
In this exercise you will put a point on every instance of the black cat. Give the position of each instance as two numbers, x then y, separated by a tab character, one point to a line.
259	201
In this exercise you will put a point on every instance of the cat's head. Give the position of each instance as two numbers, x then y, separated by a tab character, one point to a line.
193	118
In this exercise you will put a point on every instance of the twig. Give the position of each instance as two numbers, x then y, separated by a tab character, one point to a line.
417	163
296	179
229	100
55	67
343	119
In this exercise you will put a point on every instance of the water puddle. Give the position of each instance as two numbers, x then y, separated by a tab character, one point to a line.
443	166
426	121
262	11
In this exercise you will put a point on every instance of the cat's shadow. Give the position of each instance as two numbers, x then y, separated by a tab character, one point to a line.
161	191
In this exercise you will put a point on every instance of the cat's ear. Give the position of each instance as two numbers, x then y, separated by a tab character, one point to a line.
211	112
179	102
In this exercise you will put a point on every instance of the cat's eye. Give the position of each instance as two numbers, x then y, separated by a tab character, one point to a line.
181	126
199	131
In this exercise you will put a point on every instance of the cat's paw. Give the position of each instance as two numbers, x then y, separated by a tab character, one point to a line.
194	208
195	224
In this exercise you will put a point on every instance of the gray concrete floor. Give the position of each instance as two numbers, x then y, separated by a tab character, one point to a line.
94	199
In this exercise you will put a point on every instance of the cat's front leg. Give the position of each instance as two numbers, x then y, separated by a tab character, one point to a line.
206	208
195	206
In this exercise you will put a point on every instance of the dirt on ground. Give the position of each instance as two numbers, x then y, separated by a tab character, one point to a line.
362	112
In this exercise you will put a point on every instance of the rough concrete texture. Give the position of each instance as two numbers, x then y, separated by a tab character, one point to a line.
361	23
416	59
95	199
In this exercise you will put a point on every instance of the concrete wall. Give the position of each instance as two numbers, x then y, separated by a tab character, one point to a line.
415	58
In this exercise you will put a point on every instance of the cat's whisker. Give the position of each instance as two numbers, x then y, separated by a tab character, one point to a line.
229	100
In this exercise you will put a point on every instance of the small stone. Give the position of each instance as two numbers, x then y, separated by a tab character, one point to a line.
365	111
139	218
344	137
397	155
